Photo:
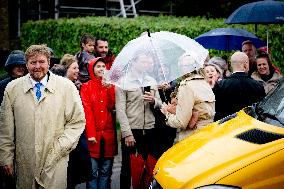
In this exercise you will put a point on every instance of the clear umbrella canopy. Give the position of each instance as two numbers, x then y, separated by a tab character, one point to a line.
156	58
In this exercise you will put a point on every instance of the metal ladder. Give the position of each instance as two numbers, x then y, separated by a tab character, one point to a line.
126	10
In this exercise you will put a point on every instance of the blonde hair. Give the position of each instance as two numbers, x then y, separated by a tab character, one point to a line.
67	60
217	68
36	50
194	72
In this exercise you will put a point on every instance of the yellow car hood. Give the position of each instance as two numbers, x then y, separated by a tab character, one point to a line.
213	153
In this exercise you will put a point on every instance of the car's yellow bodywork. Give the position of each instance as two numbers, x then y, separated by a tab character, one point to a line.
216	156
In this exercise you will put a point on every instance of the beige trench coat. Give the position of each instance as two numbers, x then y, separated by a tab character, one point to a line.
194	95
44	132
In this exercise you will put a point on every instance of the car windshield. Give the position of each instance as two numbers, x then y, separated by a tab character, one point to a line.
271	108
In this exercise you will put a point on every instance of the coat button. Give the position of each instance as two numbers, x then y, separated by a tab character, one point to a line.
102	111
102	101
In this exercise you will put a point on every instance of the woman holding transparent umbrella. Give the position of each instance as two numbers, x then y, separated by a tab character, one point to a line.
195	99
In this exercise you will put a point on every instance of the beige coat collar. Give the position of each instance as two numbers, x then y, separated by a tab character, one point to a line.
50	86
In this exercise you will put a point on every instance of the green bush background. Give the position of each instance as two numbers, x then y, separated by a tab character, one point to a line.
63	35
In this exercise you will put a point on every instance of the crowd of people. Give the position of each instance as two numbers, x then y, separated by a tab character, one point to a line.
58	121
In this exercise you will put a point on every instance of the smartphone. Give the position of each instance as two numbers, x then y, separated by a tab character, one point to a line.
147	89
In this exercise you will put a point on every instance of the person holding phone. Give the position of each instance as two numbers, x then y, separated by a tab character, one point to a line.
137	121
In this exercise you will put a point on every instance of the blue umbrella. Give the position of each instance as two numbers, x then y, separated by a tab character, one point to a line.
260	12
227	39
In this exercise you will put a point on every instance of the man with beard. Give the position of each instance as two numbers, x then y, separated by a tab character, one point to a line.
102	50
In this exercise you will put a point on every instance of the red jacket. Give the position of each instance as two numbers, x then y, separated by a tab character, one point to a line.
99	102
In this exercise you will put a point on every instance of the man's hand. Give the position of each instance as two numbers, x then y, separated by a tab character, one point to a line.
78	84
130	141
164	86
149	97
92	139
9	169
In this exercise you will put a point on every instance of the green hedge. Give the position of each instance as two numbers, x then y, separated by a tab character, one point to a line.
63	35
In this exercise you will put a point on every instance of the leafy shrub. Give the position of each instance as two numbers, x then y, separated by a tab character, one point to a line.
63	35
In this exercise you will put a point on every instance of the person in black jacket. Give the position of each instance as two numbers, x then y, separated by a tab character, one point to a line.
238	90
16	67
165	135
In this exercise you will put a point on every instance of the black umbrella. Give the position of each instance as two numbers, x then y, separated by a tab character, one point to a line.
260	12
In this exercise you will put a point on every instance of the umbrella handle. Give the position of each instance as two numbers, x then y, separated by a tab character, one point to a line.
267	39
148	32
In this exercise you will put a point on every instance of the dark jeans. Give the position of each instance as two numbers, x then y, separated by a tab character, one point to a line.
79	168
101	175
145	144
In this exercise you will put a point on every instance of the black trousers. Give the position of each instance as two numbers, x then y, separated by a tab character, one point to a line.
6	182
79	168
145	144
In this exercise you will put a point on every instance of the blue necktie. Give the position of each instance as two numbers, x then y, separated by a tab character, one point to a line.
38	92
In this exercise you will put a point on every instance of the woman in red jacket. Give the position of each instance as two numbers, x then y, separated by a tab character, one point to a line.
99	102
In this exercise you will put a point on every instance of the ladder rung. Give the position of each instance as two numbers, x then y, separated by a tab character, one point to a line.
126	9
113	0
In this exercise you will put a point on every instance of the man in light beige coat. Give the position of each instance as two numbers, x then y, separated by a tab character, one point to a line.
41	121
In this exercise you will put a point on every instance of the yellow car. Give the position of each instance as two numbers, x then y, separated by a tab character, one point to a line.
243	150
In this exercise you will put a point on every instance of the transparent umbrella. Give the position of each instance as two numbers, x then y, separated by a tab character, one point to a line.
155	58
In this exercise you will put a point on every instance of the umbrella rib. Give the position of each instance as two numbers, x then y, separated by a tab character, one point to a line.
156	53
126	71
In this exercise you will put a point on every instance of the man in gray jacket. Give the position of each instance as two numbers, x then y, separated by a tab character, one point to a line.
134	113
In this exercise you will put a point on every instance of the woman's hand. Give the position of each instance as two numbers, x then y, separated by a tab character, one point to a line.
92	139
193	120
105	79
105	83
172	108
